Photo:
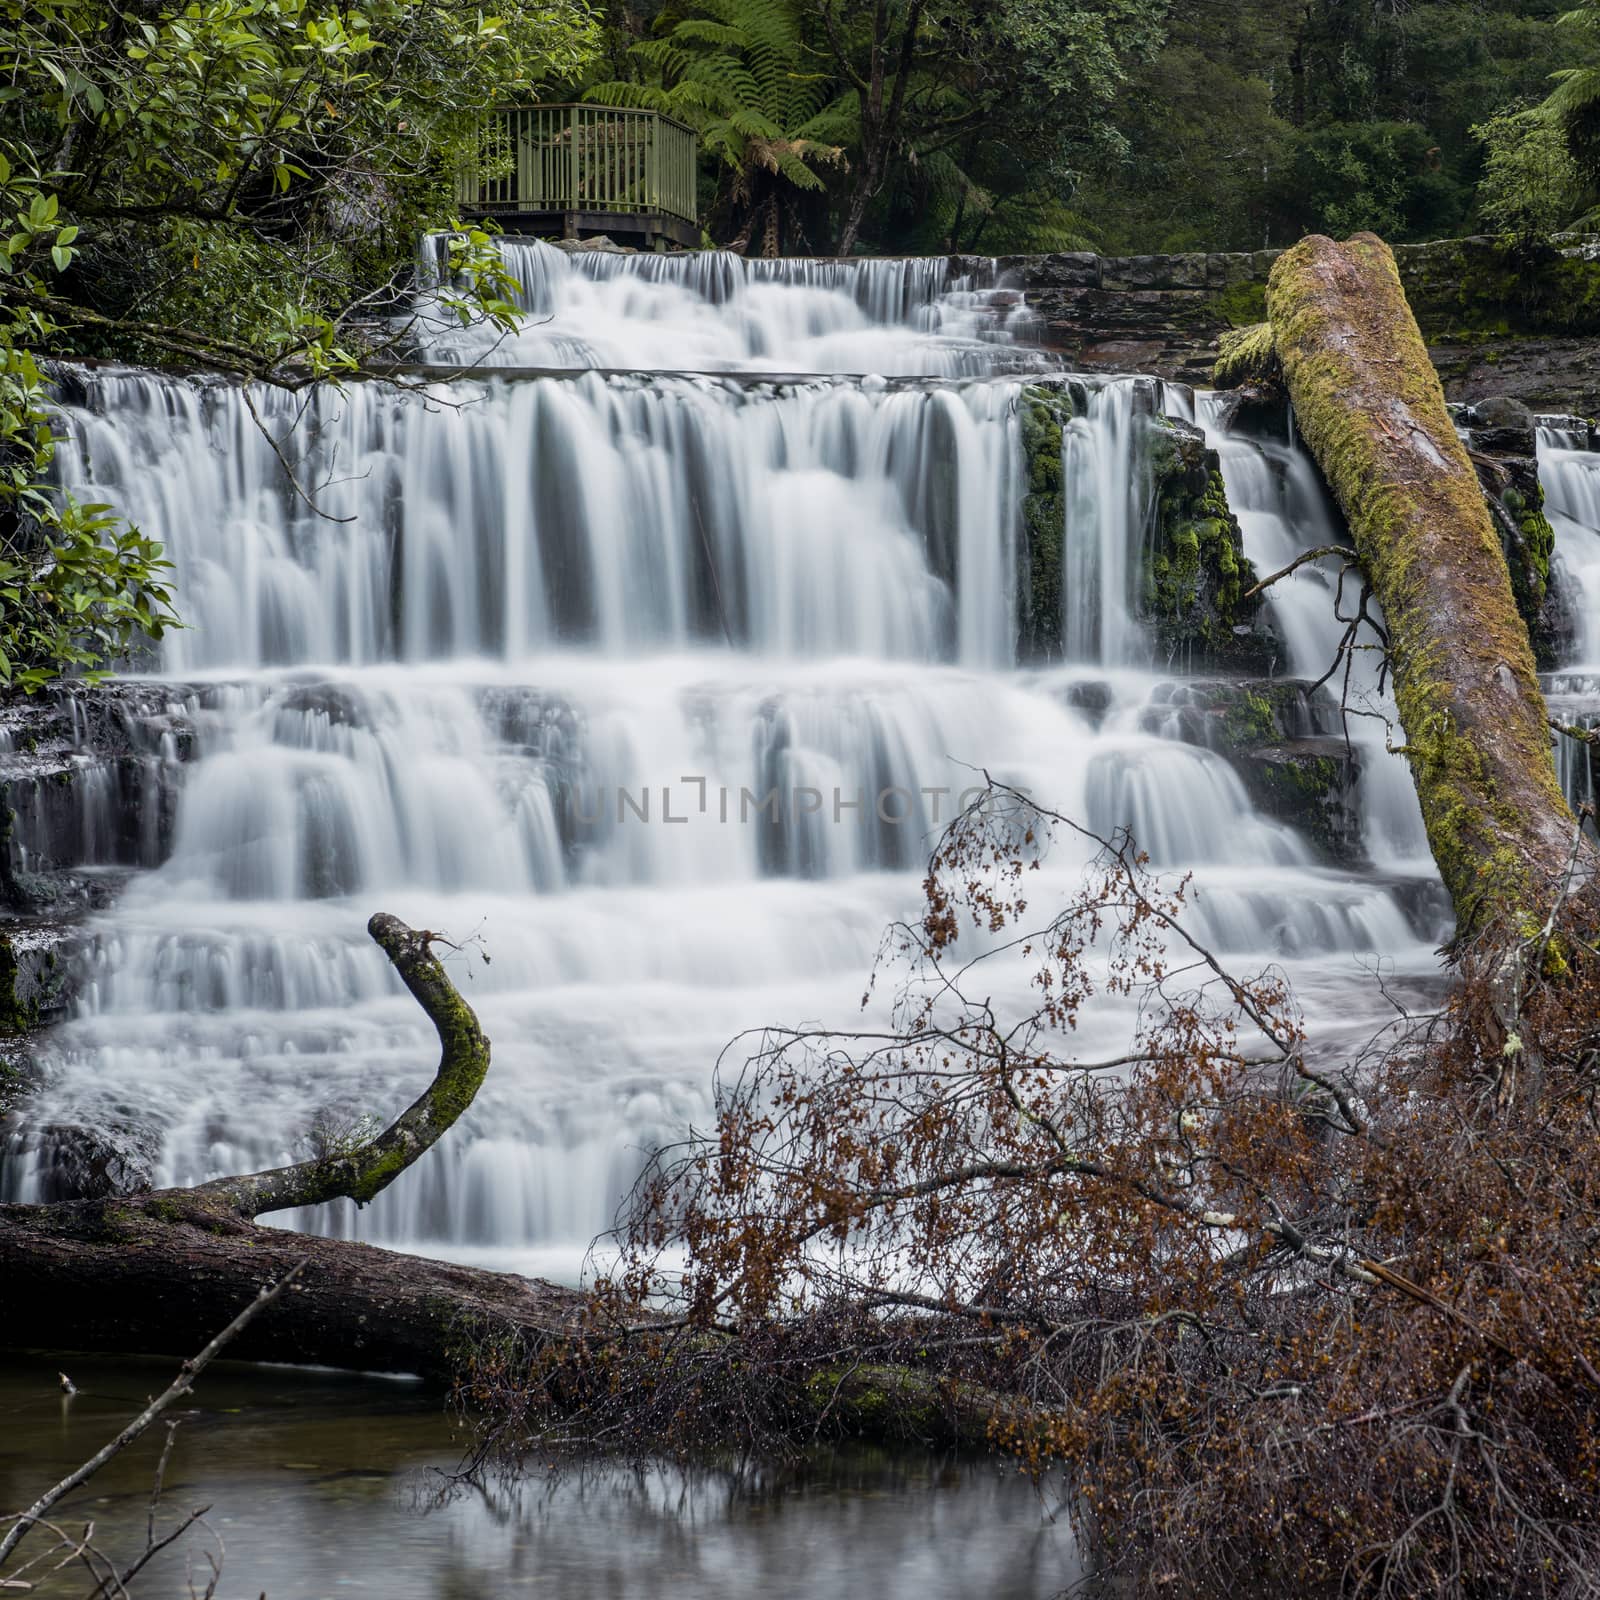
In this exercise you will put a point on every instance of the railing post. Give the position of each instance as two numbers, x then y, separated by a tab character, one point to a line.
573	189
652	133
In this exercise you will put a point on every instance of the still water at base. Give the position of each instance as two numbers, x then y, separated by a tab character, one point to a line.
330	1485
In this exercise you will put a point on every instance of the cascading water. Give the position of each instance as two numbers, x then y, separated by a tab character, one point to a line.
1278	497
656	688
1569	469
712	312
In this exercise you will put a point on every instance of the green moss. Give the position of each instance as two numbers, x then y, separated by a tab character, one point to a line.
1463	289
1313	777
1044	411
1431	552
1245	355
1193	584
19	1008
1241	304
1251	719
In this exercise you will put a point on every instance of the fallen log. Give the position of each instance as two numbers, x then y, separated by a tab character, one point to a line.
1368	404
158	1272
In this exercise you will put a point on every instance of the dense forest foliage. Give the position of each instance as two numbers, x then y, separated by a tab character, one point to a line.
1121	125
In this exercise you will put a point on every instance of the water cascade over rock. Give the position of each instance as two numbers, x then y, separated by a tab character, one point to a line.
656	685
1569	468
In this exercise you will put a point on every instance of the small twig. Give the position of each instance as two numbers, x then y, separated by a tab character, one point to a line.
180	1386
155	1493
149	1554
1573	731
283	460
1299	561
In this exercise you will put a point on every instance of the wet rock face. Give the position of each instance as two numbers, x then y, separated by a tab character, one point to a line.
1287	746
1501	439
1506	423
1196	575
1044	411
88	792
79	1163
33	975
1496	321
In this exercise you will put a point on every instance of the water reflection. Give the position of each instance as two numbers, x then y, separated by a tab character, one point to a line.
328	1485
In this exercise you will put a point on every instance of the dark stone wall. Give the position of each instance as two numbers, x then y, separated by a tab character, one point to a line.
1498	321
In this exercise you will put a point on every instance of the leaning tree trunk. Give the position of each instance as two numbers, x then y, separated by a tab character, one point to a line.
1369	405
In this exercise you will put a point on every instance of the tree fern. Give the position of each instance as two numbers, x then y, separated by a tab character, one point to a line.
738	72
1574	104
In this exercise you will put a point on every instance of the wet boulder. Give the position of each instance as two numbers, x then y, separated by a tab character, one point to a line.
1503	446
1195	579
1286	744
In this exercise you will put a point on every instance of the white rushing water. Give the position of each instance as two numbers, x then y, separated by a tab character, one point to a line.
712	312
1570	473
541	686
1569	470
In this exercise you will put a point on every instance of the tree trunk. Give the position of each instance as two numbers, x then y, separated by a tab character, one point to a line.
158	1274
1368	403
859	196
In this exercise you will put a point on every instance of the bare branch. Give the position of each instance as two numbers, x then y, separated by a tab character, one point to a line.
179	1387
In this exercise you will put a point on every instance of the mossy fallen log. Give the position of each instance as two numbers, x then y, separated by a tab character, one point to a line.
1369	406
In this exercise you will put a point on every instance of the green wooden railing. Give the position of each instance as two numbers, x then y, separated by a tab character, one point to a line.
577	158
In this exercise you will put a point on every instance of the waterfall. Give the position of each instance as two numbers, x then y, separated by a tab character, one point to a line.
1569	469
499	519
1570	472
1105	512
713	312
655	688
1282	508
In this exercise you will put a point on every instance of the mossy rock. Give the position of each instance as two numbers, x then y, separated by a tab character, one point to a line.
1481	286
1241	305
1311	785
1044	410
1237	715
32	979
1195	574
1285	743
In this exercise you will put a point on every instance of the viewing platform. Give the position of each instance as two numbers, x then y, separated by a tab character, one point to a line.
566	171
